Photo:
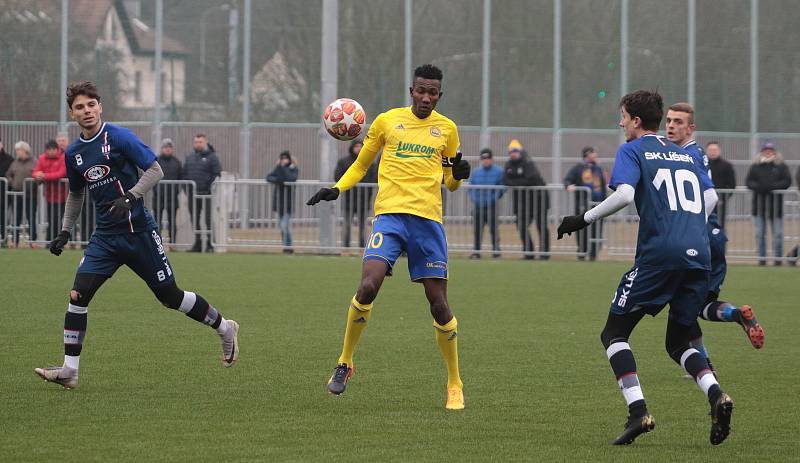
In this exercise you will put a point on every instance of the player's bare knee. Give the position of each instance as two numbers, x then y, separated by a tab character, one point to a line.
367	292
440	311
74	295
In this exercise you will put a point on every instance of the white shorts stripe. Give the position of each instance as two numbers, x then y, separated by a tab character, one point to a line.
76	309
188	301
686	355
616	347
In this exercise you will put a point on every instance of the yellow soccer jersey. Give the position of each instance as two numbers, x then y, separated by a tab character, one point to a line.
410	172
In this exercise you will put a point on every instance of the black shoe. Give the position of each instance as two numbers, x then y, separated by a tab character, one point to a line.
528	257
721	412
338	382
634	427
475	256
288	251
496	255
210	248
195	248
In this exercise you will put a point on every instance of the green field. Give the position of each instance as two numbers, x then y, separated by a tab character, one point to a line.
537	382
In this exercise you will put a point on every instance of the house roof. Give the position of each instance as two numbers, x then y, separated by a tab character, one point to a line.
89	16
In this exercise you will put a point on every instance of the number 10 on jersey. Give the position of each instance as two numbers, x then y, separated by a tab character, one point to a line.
682	177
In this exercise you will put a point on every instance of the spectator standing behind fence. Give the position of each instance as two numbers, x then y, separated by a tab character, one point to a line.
528	205
283	195
20	171
767	174
50	169
165	196
5	163
723	175
590	175
356	200
485	201
203	167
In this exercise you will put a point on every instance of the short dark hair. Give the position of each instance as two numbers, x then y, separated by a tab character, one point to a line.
200	135
646	105
712	142
51	145
82	87
589	149
684	108
428	71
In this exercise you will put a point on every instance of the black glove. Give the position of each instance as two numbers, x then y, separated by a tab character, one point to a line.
461	168
57	245
571	223
324	194
121	206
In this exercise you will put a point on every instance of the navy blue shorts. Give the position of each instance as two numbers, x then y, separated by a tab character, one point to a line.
142	252
719	266
650	290
422	240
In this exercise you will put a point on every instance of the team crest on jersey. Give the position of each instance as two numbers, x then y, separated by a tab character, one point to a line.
436	132
96	173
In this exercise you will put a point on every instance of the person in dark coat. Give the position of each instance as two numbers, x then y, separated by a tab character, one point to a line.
357	200
203	167
724	177
283	195
5	162
767	174
528	205
165	195
590	175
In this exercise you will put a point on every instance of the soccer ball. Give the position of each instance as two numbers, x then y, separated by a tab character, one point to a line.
344	119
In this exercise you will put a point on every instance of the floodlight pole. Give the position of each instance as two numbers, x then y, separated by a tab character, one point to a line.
556	166
62	113
690	52
753	77
157	70
486	72
245	151
407	70
328	89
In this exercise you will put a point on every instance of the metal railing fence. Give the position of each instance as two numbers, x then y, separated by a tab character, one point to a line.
480	221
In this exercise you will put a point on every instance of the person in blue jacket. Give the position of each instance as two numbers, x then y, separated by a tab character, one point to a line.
485	200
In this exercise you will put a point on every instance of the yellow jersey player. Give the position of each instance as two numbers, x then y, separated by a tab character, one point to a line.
419	152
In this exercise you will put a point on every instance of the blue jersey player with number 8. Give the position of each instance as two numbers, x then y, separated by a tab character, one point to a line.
105	160
674	197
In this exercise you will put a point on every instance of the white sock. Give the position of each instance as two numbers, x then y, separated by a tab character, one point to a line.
222	329
72	361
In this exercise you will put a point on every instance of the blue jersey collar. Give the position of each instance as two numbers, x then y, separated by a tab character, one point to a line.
102	127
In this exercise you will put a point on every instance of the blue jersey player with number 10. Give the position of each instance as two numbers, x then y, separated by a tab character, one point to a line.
105	160
674	197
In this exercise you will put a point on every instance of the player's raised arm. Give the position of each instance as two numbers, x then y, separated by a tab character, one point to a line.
372	144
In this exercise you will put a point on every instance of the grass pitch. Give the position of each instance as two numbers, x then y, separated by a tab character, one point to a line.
537	384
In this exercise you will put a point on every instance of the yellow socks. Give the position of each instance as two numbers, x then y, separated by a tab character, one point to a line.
447	338
357	317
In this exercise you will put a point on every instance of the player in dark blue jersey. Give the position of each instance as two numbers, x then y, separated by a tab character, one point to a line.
105	160
673	196
680	130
